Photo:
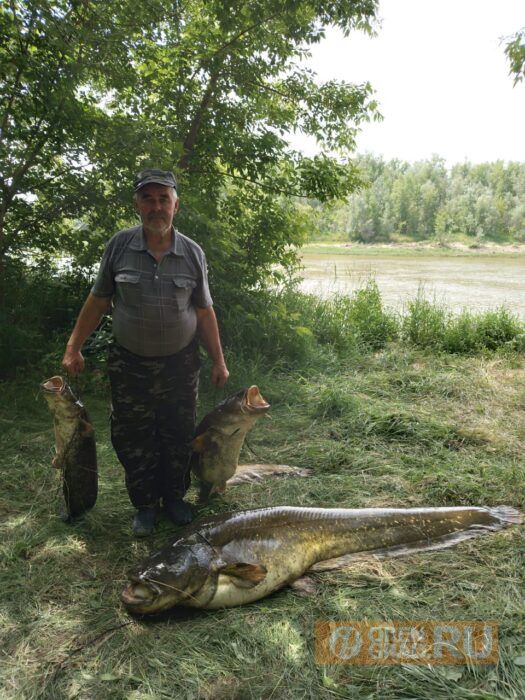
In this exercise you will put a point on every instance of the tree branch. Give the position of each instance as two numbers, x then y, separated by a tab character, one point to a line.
262	185
193	132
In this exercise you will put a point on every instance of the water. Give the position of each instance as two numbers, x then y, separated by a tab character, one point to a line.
477	283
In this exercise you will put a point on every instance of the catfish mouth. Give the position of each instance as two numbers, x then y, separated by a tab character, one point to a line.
139	597
254	401
54	385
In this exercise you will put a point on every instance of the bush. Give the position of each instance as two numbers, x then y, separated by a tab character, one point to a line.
352	323
44	303
425	323
431	326
267	324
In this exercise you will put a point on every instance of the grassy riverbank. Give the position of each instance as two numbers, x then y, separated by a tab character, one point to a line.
459	248
381	423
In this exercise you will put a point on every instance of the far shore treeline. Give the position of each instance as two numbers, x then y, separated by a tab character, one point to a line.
423	201
92	92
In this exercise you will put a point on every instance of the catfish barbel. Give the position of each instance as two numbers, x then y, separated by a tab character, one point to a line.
76	452
237	558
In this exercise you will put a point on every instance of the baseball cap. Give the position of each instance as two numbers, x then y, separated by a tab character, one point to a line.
160	177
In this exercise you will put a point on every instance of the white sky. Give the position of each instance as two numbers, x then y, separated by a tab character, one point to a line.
441	78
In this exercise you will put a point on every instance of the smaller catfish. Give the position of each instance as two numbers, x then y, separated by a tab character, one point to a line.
219	438
76	452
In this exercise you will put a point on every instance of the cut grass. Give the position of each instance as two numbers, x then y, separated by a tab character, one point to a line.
394	428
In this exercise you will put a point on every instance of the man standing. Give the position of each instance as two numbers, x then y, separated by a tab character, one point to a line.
155	280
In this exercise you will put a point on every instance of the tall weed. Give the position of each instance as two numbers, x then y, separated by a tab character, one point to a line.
352	323
425	323
431	326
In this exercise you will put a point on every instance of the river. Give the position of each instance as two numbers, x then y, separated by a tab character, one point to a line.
475	282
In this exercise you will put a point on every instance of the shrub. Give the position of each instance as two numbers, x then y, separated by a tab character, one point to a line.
425	323
353	323
44	303
428	325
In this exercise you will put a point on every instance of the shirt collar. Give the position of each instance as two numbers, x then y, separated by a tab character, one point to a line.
138	241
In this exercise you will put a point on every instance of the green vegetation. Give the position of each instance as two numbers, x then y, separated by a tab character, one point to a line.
515	51
425	409
91	93
425	201
383	413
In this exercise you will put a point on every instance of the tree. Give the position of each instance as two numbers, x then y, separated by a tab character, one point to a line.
56	60
92	92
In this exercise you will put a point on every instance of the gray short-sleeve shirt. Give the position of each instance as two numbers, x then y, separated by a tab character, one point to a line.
153	302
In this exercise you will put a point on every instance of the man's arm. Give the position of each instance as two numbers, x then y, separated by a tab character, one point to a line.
88	319
209	334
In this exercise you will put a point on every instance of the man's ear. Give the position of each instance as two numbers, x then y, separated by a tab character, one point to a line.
177	204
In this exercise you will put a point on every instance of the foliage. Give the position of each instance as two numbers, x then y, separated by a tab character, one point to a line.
43	301
425	323
269	325
515	52
424	200
91	92
280	326
431	326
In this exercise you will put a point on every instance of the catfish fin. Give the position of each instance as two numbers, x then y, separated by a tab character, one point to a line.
204	442
304	586
198	444
245	575
86	429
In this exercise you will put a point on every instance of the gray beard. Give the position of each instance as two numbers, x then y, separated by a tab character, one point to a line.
157	228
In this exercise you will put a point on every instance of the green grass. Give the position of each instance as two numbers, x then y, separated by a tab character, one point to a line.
394	426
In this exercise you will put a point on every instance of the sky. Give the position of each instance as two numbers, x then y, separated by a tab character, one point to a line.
441	79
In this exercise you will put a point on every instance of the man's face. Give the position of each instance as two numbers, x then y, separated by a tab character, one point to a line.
156	205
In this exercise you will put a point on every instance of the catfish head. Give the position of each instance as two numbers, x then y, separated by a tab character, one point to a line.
237	412
168	578
60	398
246	403
187	573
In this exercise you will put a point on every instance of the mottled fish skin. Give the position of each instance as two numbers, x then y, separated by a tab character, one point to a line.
76	454
219	438
237	558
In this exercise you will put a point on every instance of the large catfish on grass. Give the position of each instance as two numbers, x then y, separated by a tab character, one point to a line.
238	558
76	452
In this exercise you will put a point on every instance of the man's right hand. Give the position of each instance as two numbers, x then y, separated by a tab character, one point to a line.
73	362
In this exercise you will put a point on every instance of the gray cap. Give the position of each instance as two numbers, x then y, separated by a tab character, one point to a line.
160	177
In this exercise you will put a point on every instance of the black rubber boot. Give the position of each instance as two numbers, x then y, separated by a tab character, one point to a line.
144	522
178	511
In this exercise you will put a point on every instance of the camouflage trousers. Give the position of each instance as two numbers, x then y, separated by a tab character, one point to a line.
153	416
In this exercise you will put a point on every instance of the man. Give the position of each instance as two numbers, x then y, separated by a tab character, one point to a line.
155	280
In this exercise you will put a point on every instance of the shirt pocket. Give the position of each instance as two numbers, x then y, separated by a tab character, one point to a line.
128	287
182	289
